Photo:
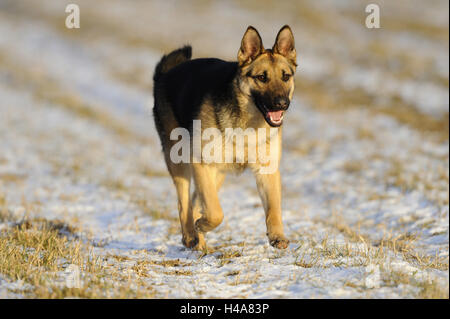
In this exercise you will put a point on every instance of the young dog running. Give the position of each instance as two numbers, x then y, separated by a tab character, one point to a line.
252	93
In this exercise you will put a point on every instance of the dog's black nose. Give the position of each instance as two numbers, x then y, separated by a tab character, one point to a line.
281	102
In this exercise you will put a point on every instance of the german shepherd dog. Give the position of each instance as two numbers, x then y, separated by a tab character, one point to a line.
253	92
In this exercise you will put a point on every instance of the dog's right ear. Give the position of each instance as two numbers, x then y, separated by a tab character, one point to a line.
251	46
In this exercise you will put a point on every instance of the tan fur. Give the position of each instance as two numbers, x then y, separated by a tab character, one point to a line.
201	212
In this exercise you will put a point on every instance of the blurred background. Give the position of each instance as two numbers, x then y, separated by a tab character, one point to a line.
397	69
367	137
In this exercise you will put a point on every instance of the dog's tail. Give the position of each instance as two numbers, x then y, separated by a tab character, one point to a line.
171	60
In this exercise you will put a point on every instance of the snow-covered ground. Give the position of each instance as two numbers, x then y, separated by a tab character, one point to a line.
365	186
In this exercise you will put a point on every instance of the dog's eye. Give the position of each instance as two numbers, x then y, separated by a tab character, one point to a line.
286	77
262	78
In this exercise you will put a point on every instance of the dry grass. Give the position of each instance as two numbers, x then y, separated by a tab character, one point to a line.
424	289
33	252
139	197
4	212
365	134
327	253
149	172
148	207
354	166
37	251
179	273
48	90
233	273
142	267
224	256
401	244
248	279
12	178
427	262
433	290
430	183
341	99
169	263
304	262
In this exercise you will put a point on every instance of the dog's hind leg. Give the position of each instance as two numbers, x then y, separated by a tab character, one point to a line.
206	178
181	176
196	208
196	204
195	212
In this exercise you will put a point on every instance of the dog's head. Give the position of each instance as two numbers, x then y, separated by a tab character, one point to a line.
266	75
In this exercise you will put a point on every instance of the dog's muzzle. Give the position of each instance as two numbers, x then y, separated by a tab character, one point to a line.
275	113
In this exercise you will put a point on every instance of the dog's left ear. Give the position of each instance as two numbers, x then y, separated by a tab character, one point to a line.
284	44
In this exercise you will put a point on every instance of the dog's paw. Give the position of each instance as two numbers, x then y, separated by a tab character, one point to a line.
279	242
194	242
201	246
190	242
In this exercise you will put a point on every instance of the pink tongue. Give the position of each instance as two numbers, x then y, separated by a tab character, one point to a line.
276	116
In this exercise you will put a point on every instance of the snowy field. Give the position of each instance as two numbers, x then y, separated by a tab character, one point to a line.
365	167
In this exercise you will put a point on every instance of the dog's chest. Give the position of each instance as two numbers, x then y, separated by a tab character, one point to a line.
250	147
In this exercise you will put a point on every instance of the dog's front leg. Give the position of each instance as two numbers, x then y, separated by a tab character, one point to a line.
206	188
269	188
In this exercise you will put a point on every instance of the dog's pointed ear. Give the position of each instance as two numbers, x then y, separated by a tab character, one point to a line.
285	45
251	46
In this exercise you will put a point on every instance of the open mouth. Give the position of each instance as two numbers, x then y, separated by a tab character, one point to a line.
274	118
273	114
